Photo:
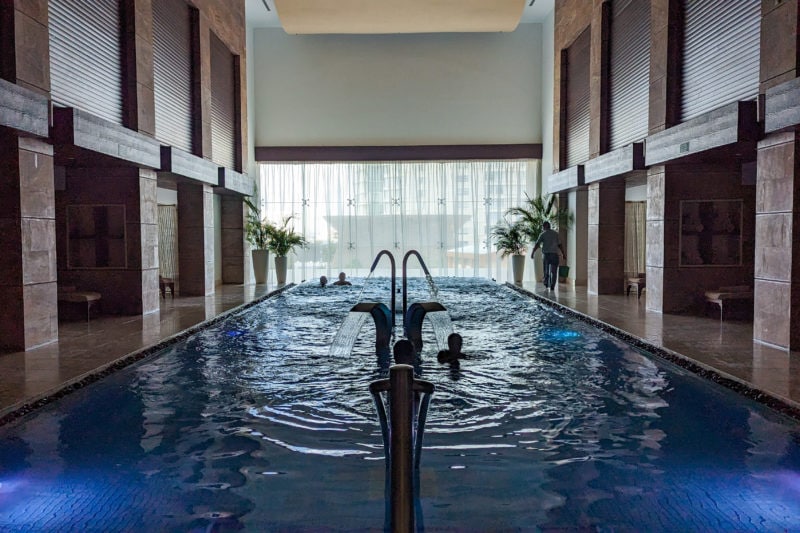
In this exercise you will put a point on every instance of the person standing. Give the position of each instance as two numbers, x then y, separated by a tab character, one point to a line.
551	246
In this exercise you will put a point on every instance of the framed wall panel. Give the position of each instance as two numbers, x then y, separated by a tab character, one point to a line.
711	233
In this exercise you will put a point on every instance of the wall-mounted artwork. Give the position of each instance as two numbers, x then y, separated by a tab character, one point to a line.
711	233
96	236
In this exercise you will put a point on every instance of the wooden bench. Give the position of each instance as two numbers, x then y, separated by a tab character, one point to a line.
728	295
73	296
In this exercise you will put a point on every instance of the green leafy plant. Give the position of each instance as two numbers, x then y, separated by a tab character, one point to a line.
538	210
509	238
256	228
283	239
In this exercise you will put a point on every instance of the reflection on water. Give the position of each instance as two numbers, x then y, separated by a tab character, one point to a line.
253	424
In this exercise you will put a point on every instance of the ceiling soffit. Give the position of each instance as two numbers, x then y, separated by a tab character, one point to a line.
398	16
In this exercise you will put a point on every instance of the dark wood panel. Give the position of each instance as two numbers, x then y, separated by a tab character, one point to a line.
223	105
399	153
566	180
231	181
615	163
716	129
184	164
75	131
24	110
782	106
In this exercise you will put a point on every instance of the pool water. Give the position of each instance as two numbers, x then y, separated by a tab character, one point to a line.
548	424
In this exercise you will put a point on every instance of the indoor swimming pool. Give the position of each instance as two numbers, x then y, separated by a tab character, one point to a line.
547	424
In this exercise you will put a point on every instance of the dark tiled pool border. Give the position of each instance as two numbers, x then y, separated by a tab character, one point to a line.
737	385
30	405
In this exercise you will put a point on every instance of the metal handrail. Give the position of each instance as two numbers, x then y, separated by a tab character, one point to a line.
405	279
394	277
402	443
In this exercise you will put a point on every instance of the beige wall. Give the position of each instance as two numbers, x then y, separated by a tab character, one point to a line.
340	90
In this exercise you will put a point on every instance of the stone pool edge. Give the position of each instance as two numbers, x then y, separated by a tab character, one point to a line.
776	403
27	406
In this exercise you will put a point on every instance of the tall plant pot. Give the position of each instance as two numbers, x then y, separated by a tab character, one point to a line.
538	267
260	263
281	264
518	267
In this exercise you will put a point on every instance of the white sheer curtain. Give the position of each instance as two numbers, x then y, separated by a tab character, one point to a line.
635	237
168	241
351	211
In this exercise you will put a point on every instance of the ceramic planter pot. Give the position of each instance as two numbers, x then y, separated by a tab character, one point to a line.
518	267
260	260
281	264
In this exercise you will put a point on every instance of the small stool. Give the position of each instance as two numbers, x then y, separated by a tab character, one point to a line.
164	284
635	283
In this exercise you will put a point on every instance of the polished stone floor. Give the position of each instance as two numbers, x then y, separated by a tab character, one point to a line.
85	348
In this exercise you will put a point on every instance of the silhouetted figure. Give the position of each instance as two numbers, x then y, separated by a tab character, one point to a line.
323	281
342	280
453	352
404	352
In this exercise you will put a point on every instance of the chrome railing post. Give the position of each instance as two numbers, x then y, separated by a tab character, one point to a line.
401	405
402	432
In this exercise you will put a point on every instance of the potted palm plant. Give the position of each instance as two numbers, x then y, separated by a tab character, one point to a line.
509	239
534	213
282	240
256	232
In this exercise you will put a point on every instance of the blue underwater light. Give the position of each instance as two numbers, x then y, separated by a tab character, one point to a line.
235	333
561	335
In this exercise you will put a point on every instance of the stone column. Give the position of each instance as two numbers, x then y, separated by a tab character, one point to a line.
776	314
654	253
578	238
233	242
28	289
666	30
606	236
196	239
777	267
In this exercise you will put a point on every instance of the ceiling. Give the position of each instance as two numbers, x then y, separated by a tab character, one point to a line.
409	16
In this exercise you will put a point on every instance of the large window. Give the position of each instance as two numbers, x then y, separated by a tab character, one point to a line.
351	211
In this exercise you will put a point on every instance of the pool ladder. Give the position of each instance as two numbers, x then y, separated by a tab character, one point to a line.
402	432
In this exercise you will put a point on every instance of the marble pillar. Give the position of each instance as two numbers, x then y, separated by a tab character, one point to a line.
195	239
606	237
28	288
